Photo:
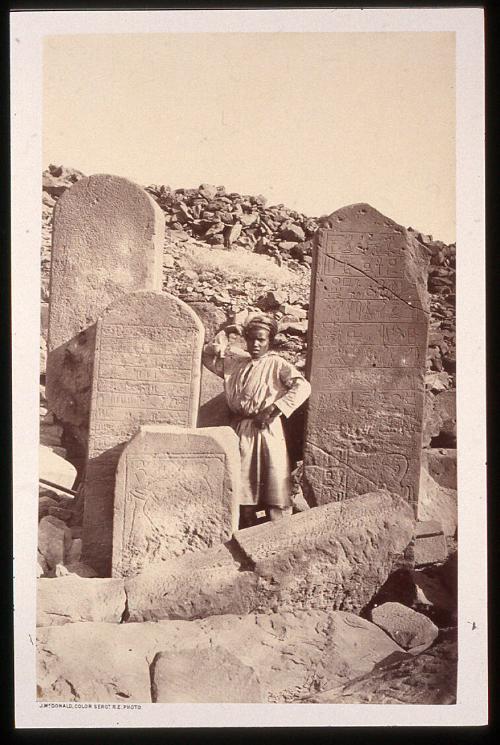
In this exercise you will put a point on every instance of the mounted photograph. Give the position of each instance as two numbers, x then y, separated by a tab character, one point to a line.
248	440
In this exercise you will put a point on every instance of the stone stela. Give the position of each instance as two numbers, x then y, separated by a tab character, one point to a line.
176	492
147	370
107	241
366	359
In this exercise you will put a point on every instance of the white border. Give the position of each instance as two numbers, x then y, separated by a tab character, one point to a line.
27	32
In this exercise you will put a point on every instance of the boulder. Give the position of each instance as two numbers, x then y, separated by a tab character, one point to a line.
427	678
204	676
329	557
292	232
80	569
291	654
44	504
54	540
70	599
411	630
441	465
437	502
54	468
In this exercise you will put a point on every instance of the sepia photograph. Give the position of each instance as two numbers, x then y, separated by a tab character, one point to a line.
240	479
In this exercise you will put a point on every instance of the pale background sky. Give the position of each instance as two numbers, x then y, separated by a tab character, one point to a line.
315	121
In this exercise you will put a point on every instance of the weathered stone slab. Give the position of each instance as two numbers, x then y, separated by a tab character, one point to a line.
204	676
329	557
107	241
368	326
71	599
177	491
146	370
293	654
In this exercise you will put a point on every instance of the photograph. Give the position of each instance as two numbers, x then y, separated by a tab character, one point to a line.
249	275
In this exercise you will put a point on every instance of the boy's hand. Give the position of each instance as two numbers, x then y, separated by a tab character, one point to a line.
234	328
266	416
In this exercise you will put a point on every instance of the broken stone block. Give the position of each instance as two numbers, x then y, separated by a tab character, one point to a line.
203	676
80	569
54	540
441	464
411	630
437	503
430	544
195	585
327	557
446	407
70	599
177	491
52	467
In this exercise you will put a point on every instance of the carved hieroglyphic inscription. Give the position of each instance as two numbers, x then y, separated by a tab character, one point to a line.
176	492
366	358
146	370
107	241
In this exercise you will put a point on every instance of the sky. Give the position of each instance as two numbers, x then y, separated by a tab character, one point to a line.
315	121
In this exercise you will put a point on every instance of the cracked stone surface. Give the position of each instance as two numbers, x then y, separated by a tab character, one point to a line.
332	557
107	240
70	599
367	342
292	655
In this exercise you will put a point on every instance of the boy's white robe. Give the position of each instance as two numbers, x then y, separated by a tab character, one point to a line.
251	386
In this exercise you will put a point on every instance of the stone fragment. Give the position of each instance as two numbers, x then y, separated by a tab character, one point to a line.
425	679
441	464
177	491
80	569
44	504
54	540
147	370
107	241
54	468
293	654
446	407
75	551
367	346
437	503
196	585
207	190
410	629
71	599
271	300
204	676
322	558
430	544
292	232
232	233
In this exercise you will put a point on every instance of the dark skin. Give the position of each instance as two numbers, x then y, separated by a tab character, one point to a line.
258	342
